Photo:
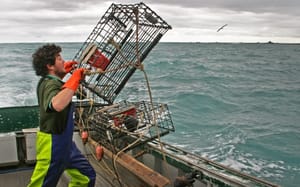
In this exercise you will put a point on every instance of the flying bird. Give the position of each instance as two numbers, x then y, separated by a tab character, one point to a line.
221	27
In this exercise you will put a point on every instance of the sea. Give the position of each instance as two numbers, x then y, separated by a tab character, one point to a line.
234	103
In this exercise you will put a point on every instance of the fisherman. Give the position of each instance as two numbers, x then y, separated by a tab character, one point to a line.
56	152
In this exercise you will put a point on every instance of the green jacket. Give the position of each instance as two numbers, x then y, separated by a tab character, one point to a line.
51	121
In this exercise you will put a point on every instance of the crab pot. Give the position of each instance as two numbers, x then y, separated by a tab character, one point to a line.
123	37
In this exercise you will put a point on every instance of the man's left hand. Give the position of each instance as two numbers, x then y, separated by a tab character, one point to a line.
70	65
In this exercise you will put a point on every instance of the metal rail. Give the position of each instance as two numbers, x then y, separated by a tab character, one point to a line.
208	168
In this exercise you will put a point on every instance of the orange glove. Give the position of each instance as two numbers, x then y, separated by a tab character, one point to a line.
69	65
74	80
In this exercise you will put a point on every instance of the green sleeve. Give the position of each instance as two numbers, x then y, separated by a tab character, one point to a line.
51	88
51	121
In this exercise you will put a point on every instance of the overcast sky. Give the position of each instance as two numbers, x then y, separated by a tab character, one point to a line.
192	20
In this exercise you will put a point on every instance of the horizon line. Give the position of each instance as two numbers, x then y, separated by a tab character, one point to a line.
268	42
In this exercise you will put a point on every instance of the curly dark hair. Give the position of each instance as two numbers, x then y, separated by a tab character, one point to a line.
43	56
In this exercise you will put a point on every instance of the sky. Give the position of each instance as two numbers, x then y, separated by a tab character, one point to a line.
191	20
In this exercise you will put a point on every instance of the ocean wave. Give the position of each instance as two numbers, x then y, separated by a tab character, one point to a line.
234	103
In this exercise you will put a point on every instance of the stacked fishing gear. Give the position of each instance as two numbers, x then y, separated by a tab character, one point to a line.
115	49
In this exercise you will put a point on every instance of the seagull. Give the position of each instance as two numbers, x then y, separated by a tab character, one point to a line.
221	27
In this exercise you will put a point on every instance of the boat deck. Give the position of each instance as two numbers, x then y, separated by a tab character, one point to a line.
124	171
143	166
21	178
105	176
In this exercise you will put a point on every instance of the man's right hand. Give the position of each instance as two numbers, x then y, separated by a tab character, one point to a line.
75	79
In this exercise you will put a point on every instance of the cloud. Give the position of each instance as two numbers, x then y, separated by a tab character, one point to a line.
36	20
193	20
247	21
256	6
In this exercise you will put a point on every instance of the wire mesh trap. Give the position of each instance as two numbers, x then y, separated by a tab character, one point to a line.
122	123
113	51
117	46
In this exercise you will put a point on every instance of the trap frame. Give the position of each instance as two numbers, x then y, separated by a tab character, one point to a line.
117	46
113	51
107	124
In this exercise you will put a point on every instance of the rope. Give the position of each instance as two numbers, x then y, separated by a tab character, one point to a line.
141	67
106	168
82	126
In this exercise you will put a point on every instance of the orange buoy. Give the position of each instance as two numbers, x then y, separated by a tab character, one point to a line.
99	152
84	136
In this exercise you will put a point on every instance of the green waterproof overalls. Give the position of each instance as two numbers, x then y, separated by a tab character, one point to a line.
57	153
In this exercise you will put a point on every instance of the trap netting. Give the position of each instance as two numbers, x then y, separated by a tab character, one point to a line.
117	46
124	122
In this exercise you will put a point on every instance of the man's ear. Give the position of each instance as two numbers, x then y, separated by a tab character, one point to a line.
50	67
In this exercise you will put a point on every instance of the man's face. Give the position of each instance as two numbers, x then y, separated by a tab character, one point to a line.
59	69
